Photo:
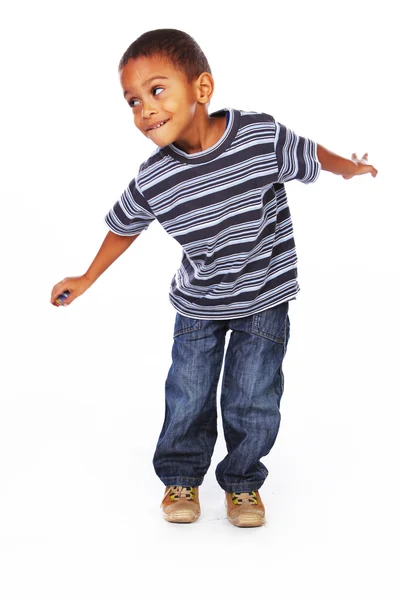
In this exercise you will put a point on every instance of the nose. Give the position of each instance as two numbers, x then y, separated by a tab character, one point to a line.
147	110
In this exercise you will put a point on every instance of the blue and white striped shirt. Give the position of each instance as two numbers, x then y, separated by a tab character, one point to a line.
227	208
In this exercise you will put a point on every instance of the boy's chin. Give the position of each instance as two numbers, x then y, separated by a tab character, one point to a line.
158	138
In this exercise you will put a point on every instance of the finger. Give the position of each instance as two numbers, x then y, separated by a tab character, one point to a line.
57	289
370	169
58	301
68	300
63	302
54	294
354	156
365	158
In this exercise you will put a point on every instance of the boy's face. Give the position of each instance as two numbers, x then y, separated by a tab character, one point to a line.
159	93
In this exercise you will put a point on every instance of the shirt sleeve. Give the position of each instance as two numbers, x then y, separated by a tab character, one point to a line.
131	214
296	156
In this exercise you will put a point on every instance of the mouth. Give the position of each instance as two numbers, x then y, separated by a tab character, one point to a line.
158	125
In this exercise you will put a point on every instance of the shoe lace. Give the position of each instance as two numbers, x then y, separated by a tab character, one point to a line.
244	498
179	491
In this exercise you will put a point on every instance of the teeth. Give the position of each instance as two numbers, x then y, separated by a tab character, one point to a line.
157	126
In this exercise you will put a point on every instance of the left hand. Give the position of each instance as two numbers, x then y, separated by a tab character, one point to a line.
362	166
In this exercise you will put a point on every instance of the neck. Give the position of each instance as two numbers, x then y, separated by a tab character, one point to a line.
204	133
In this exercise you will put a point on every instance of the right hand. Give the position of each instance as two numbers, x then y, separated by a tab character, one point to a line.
362	166
76	285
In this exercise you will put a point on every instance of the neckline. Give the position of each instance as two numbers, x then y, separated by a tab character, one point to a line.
215	150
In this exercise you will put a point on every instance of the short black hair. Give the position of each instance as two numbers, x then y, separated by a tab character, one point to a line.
175	45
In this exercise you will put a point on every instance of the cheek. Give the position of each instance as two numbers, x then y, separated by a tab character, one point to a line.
136	119
168	104
173	102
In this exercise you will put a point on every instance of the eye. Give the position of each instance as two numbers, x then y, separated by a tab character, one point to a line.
133	101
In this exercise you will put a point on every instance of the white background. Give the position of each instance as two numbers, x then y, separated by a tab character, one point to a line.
82	388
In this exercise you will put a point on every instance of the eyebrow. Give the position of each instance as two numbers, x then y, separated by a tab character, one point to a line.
148	81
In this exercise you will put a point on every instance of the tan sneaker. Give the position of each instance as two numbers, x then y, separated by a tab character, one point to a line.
245	509
181	504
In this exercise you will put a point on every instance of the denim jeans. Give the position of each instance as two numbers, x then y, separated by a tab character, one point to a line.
251	390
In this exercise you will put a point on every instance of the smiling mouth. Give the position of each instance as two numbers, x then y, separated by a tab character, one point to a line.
158	126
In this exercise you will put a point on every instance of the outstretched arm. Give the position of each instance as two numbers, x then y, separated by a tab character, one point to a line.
343	166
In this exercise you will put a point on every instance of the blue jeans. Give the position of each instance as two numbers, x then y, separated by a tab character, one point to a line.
251	390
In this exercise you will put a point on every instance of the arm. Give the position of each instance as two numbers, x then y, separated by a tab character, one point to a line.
112	247
342	166
129	216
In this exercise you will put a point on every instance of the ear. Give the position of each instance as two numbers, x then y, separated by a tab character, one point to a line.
204	86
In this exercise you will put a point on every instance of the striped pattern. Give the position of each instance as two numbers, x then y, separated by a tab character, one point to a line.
227	207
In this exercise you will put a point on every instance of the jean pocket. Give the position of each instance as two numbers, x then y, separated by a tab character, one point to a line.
271	323
185	324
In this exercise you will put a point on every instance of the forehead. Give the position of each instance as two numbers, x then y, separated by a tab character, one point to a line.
137	71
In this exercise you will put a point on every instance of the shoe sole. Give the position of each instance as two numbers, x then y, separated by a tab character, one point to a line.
181	516
247	520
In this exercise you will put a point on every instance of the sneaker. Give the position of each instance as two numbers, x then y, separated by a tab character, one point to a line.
245	509
181	504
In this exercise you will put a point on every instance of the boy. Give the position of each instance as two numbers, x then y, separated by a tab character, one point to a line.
216	184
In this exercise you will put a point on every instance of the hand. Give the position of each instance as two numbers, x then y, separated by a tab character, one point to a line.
76	285
362	166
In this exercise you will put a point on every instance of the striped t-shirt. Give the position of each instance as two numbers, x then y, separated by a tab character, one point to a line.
227	208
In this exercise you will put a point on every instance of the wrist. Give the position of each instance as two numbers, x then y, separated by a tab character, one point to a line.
89	276
338	165
352	167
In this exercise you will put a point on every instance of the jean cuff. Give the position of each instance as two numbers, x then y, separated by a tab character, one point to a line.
243	486
184	481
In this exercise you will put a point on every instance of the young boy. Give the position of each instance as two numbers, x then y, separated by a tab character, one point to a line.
216	184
